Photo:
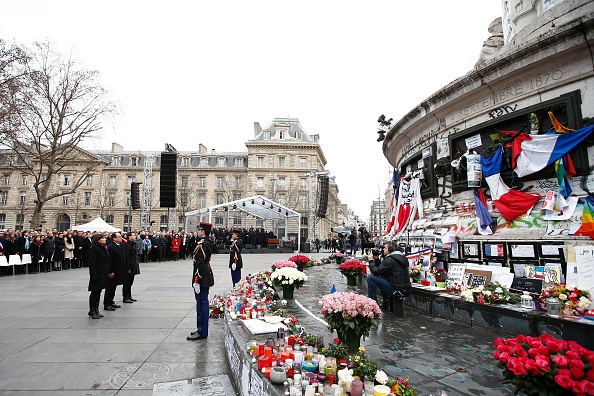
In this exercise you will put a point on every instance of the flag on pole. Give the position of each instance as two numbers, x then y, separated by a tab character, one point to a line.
532	153
587	227
557	125
510	203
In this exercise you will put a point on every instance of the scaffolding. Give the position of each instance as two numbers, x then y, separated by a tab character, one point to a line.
145	216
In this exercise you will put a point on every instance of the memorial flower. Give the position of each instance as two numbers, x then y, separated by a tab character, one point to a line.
414	271
337	254
301	261
351	267
282	264
362	365
402	387
288	276
439	274
545	366
493	293
575	301
350	311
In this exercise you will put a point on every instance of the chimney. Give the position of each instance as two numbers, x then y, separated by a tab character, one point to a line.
257	129
202	149
116	148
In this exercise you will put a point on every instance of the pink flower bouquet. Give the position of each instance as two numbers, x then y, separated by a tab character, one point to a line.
349	311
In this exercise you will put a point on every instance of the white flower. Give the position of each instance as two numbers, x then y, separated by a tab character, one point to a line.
283	302
584	303
487	292
381	377
562	297
499	290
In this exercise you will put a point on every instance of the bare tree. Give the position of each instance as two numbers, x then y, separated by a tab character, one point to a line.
12	73
58	106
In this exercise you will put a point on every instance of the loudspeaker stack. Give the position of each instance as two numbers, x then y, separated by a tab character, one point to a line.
135	195
168	185
323	197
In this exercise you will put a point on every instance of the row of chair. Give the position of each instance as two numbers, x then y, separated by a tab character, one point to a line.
15	260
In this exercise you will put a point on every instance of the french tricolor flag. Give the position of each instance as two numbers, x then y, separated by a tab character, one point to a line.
510	203
483	218
532	153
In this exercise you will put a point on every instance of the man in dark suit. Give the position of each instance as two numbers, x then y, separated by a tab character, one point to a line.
235	260
132	267
202	281
87	244
117	271
78	249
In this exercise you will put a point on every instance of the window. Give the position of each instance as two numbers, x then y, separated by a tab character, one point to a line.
6	180
115	161
130	180
266	134
260	223
282	182
2	220
237	221
181	222
202	181
65	199
184	181
111	199
238	183
282	199
134	161
238	162
236	196
221	162
109	219
113	181
220	198
164	222
220	182
87	199
127	223
3	198
183	198
303	162
282	162
25	180
260	162
303	183
219	221
90	180
20	221
303	201
201	200
22	198
281	134
260	182
66	180
204	162
185	162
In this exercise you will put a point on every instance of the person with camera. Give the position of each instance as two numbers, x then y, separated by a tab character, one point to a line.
390	275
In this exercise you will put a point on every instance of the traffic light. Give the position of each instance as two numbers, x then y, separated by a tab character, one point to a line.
135	195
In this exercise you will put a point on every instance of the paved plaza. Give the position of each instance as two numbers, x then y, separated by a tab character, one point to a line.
49	346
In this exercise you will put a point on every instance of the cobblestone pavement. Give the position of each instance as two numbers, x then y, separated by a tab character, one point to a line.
49	346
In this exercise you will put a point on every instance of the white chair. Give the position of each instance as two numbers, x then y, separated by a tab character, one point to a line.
4	263
14	260
26	259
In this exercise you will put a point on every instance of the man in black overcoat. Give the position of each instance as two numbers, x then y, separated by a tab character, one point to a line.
132	267
117	271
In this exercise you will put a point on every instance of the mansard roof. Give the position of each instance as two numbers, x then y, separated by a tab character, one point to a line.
290	125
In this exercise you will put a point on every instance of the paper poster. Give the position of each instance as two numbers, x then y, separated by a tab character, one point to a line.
572	274
522	251
474	171
473	141
585	267
551	250
504	278
455	274
551	274
565	214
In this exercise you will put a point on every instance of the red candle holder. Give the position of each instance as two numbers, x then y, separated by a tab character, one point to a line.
263	362
268	351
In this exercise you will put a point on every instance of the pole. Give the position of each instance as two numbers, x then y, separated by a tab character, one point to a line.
130	215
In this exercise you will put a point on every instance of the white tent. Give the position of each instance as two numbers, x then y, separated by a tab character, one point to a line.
96	225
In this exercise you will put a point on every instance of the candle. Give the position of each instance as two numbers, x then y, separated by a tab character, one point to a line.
298	356
285	356
322	377
261	349
268	351
291	340
380	390
263	361
356	388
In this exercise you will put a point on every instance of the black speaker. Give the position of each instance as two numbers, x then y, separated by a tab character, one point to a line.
323	197
168	185
135	195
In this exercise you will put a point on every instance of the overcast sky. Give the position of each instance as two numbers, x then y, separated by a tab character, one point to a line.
190	72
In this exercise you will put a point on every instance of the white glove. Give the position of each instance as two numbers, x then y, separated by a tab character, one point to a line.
233	266
196	287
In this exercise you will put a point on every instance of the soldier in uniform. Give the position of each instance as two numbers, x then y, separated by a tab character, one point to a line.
235	260
202	280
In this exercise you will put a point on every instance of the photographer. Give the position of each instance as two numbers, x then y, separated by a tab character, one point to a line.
390	275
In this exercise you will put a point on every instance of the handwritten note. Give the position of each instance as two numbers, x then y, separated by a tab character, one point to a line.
455	274
585	267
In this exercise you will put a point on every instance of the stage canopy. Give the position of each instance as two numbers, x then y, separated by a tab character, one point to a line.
96	225
258	206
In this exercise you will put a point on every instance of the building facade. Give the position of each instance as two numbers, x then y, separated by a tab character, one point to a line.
282	163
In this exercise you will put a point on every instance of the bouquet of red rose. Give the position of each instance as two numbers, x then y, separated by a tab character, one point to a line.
301	261
575	301
351	267
546	366
439	274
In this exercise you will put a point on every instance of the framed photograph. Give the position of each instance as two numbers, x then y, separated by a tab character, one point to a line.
522	250
551	250
470	249
454	252
495	250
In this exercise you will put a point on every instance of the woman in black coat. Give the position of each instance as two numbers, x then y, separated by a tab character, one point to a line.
98	273
60	247
34	251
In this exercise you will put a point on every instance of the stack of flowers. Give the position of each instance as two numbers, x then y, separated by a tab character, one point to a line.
351	267
493	293
545	365
346	312
217	306
362	364
439	274
400	386
338	257
283	264
574	301
288	276
301	261
414	271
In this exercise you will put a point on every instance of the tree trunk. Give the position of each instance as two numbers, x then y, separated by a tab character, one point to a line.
37	219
